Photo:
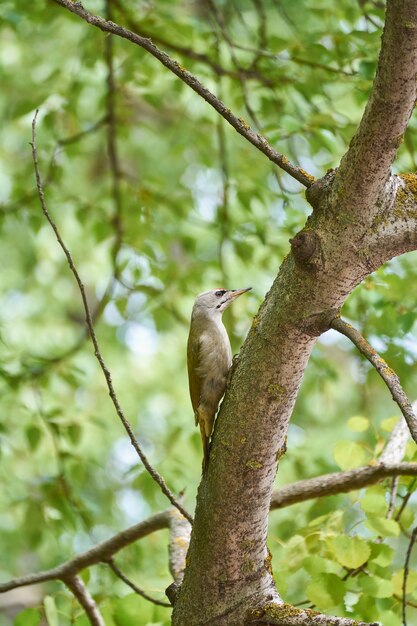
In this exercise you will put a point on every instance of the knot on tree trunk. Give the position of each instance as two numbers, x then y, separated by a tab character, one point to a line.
316	191
306	248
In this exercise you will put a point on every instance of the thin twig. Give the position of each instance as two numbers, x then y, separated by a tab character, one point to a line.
406	567
189	79
408	603
100	553
189	53
155	475
406	498
222	29
392	496
179	540
66	141
387	374
80	591
14	206
133	586
112	149
223	209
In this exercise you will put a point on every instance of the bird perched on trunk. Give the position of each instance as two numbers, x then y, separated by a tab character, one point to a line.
209	357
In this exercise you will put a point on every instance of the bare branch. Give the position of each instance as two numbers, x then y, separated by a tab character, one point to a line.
365	167
392	496
189	79
338	482
80	591
155	475
387	374
133	586
395	449
394	230
99	553
112	150
406	568
288	615
92	128
321	66
406	498
179	539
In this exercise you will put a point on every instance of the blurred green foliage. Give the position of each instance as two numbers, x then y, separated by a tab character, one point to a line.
200	207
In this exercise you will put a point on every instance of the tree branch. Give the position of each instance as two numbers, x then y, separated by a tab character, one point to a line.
189	53
395	448
112	150
394	230
89	322
179	539
99	553
288	615
133	586
80	591
365	167
338	482
389	465
387	374
189	79
406	568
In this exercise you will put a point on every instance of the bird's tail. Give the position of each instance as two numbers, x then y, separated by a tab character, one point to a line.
205	441
205	422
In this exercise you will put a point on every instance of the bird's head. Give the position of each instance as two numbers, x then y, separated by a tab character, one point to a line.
212	303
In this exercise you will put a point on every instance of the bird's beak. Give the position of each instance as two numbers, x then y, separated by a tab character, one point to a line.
235	293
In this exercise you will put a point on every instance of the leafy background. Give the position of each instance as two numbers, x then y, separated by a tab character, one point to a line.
199	208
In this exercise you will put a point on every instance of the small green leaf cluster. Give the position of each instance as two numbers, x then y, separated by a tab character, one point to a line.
348	554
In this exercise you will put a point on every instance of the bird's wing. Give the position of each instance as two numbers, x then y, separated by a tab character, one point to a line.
193	362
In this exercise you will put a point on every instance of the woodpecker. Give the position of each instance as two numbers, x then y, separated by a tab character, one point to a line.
209	357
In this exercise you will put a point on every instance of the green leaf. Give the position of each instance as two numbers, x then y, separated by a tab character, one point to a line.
74	433
33	435
128	608
315	564
389	423
296	551
398	581
407	518
326	591
383	527
51	612
376	587
85	576
406	321
28	617
367	69
349	455
390	618
358	424
383	554
351	552
374	501
82	620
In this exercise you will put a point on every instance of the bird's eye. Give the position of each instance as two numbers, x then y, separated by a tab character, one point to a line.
220	293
